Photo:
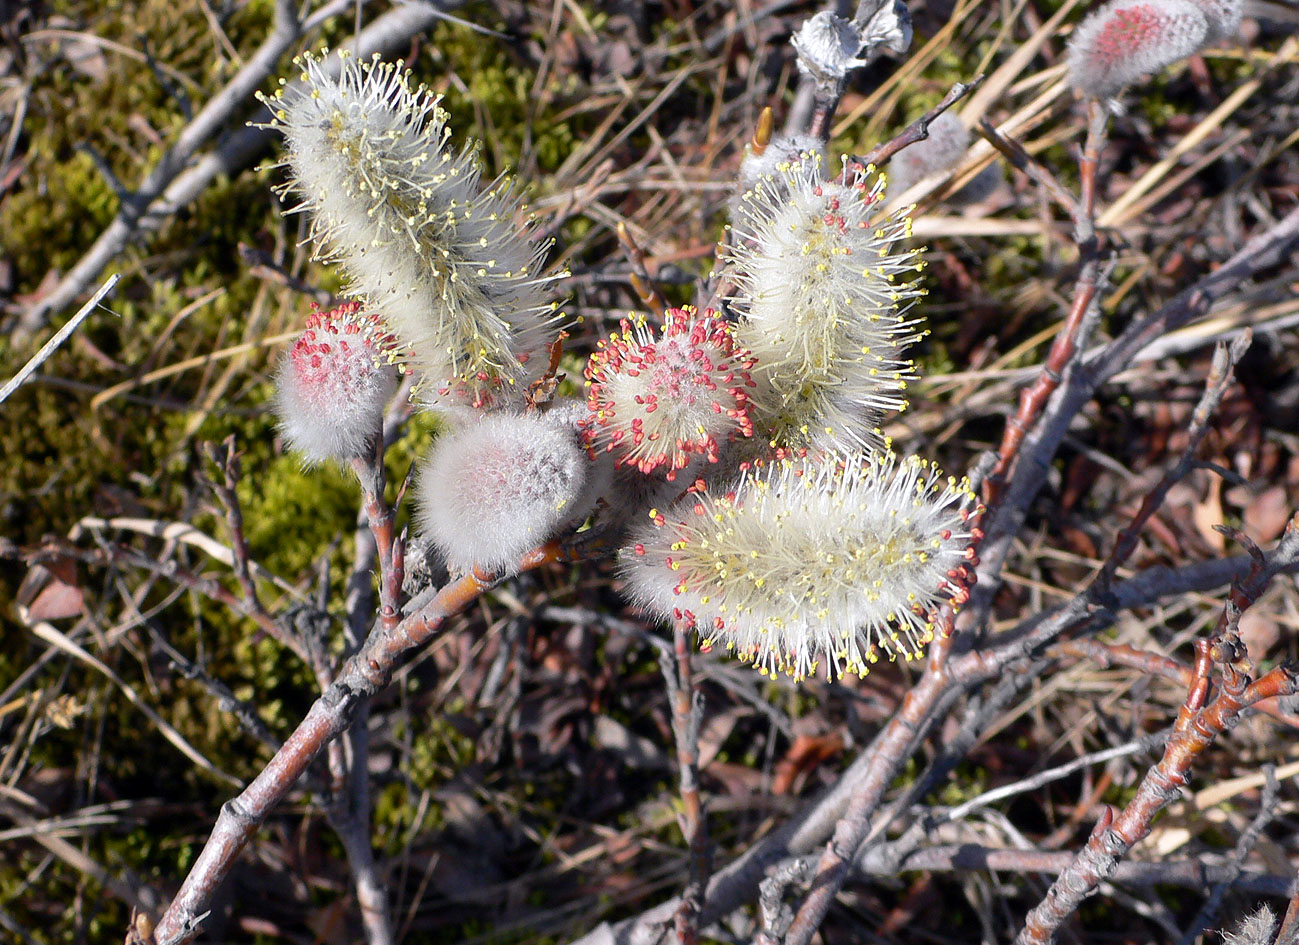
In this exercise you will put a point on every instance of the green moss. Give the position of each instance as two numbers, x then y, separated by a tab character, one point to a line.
499	107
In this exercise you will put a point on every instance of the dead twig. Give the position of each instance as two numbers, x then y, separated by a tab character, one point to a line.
918	130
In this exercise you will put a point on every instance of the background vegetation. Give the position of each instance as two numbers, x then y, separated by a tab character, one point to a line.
522	765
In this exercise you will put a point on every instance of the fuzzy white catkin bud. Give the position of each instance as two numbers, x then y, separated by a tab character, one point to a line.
802	561
332	385
824	292
946	145
420	240
499	487
1126	39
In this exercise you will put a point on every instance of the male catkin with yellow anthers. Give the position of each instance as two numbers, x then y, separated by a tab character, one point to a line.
825	292
403	214
835	558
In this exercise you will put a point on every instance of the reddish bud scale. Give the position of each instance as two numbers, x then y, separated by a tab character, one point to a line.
656	401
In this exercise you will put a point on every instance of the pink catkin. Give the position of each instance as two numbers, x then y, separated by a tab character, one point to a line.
332	385
1127	39
656	401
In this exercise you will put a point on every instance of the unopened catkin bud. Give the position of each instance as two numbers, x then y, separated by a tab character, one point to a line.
332	385
500	487
1127	39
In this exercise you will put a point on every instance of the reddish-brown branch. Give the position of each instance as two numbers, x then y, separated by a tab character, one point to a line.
640	277
686	713
888	752
363	675
918	130
1288	933
1198	725
1033	399
1064	349
1097	123
388	545
1149	664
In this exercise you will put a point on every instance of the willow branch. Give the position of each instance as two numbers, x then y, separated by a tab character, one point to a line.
361	677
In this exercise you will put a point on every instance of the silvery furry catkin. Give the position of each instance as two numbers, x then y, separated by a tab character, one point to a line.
403	213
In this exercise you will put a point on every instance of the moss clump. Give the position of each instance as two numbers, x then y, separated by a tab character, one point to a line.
499	108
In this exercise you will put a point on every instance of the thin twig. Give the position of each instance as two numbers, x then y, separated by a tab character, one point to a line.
1014	152
1195	873
364	674
60	336
687	713
918	130
226	459
1149	664
1221	373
